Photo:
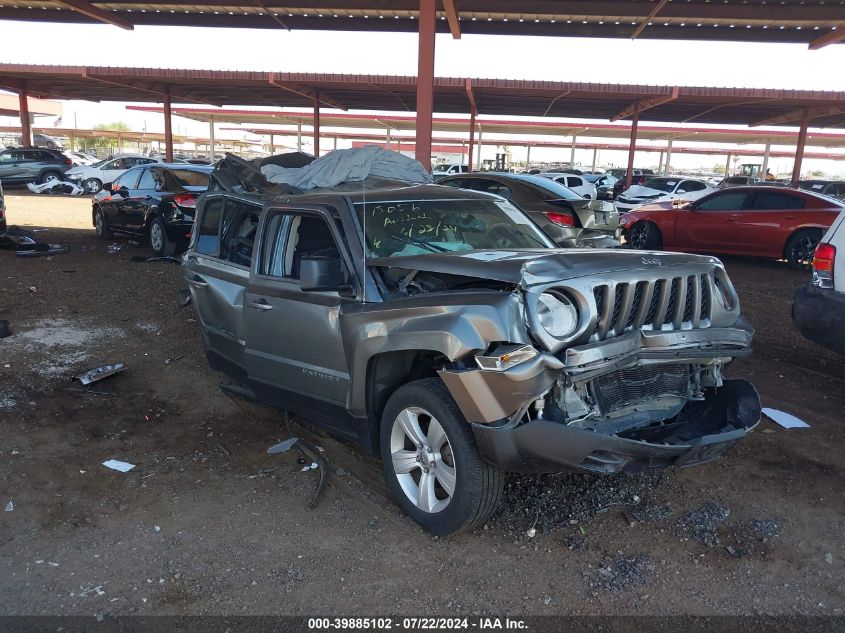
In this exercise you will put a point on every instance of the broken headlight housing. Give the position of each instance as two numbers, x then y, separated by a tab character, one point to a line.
506	356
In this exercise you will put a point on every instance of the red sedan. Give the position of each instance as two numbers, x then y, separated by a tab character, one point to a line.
772	222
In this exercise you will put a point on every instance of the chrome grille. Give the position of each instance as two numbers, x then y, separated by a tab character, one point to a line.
672	303
636	384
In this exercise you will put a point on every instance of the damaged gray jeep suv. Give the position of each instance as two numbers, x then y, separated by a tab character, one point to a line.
442	330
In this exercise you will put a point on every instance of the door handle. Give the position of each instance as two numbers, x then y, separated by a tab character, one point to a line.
789	217
197	282
260	304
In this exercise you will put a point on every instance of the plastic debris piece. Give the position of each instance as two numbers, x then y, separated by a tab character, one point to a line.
10	506
114	464
98	373
113	248
185	297
531	533
786	420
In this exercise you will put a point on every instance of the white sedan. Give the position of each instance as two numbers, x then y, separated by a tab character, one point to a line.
662	189
578	184
92	177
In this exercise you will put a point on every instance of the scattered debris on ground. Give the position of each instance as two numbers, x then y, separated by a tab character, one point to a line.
99	373
703	523
622	573
118	465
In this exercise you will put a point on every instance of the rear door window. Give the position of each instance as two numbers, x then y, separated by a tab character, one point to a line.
148	180
776	201
208	228
237	232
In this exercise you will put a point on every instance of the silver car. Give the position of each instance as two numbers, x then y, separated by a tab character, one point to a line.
442	330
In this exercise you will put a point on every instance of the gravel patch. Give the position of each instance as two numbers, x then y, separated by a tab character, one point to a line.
546	502
703	523
619	575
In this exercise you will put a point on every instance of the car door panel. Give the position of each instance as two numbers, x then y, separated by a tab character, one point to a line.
762	229
708	226
293	340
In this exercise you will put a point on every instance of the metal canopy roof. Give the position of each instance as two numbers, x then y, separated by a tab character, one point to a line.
813	22
255	118
451	95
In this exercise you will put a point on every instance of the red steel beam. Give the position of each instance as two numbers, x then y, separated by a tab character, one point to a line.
632	148
95	13
452	18
658	6
796	115
425	81
832	37
317	124
799	149
646	104
168	127
26	127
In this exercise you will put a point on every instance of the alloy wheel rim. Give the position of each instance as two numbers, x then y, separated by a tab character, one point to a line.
92	186
638	236
804	251
423	460
155	237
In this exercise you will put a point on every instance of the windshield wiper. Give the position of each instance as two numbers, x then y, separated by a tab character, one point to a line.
434	248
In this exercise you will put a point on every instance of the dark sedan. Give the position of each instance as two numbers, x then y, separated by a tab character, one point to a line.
156	202
569	219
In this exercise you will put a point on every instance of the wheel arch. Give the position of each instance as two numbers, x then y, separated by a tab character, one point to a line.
387	371
796	230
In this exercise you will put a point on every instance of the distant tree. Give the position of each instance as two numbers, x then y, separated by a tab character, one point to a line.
106	142
817	173
719	168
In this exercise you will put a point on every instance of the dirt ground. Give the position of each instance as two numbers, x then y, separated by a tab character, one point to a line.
207	523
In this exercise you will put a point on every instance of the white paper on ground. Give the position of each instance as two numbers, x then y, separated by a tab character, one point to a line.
786	420
116	465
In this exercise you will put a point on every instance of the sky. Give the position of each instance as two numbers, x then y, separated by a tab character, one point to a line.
655	62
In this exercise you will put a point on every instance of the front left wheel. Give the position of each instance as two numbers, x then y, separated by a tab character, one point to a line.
431	461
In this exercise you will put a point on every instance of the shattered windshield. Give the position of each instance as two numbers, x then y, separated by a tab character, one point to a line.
415	227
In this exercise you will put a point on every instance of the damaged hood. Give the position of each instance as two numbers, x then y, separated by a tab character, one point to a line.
539	266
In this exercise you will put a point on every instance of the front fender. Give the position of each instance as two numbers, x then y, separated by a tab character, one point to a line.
456	325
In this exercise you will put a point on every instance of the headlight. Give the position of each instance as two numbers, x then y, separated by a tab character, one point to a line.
557	314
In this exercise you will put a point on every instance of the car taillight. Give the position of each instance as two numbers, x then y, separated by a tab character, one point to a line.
561	219
823	262
186	200
68	162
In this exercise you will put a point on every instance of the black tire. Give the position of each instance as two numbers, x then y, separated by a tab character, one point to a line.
92	185
800	248
101	225
157	234
50	175
644	236
478	486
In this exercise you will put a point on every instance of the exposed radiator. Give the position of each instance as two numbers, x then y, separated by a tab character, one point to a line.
636	384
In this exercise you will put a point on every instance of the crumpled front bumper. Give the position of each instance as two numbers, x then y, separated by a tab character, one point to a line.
493	402
703	431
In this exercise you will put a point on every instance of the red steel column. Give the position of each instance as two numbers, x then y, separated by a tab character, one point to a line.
168	128
425	82
635	122
799	150
26	128
317	124
472	114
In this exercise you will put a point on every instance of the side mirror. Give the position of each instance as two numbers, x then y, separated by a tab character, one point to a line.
321	273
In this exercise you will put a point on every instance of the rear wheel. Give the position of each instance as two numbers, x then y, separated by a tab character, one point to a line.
158	238
644	236
801	247
431	461
101	226
92	185
47	176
